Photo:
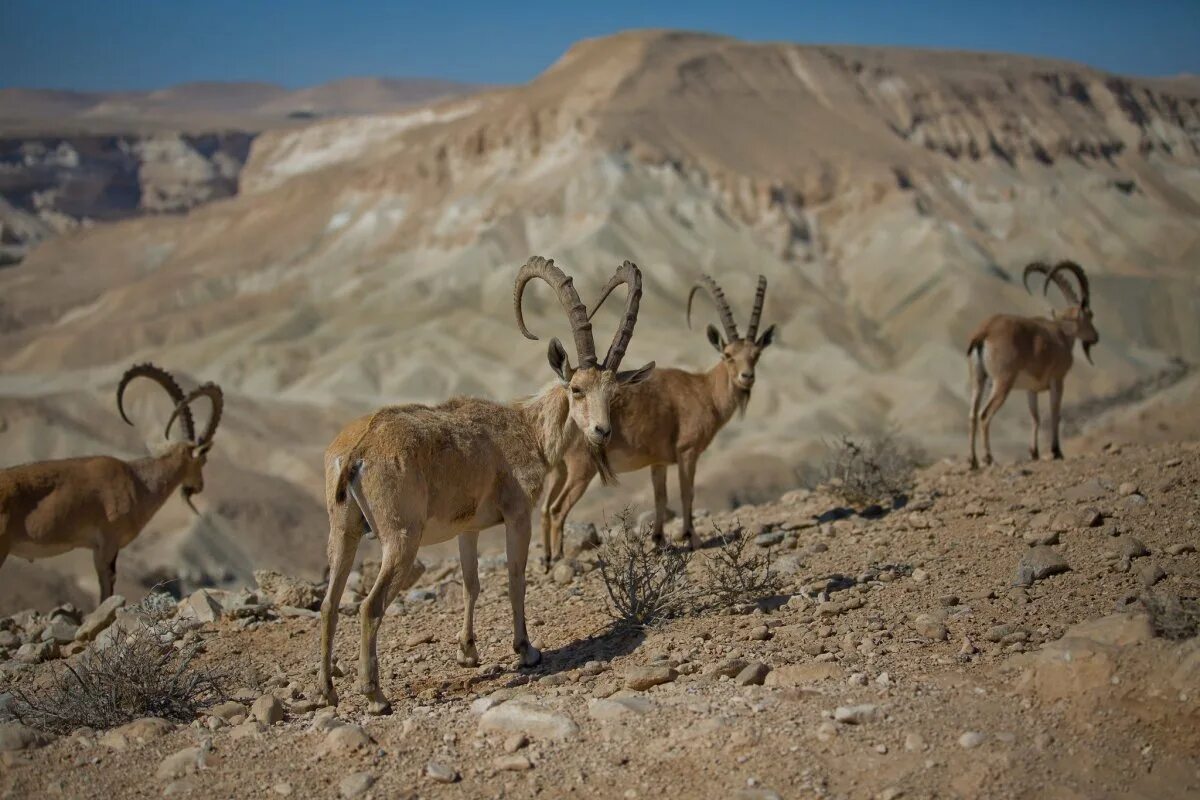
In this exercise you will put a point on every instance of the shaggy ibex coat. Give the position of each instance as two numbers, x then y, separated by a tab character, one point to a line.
669	419
419	475
1031	353
99	502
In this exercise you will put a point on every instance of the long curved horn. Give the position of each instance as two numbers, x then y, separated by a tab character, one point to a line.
629	274
1036	268
1080	275
215	397
760	294
538	267
722	304
167	382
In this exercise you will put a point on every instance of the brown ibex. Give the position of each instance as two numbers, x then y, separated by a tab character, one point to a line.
99	502
669	419
418	475
1031	353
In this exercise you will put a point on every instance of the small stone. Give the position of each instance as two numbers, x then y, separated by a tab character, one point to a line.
642	678
517	741
856	715
104	615
914	742
512	763
974	510
970	740
564	572
522	716
919	575
930	627
228	710
201	606
615	708
355	784
730	667
760	634
1126	489
344	740
1179	548
769	539
752	674
1039	563
442	773
282	788
15	736
826	731
287	591
36	652
139	731
183	762
1131	547
267	710
60	631
998	632
890	793
418	639
1036	538
948	600
857	679
1090	517
1150	574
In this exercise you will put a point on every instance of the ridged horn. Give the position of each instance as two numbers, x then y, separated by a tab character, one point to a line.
628	274
760	294
718	297
215	397
538	267
167	382
1076	270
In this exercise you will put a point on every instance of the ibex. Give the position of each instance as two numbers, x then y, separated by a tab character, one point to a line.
100	502
1031	353
418	475
669	419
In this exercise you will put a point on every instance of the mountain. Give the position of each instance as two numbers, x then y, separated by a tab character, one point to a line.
891	197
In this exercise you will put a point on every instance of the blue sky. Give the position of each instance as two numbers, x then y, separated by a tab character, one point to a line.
139	44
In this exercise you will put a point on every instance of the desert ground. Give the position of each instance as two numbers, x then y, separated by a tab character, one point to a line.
1028	630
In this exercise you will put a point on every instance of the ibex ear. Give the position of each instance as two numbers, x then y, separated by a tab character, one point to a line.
714	338
557	354
765	340
632	376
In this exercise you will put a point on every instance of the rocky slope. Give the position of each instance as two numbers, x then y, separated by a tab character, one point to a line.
890	197
78	158
992	639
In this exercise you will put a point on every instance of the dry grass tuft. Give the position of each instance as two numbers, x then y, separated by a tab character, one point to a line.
875	468
134	671
645	585
736	573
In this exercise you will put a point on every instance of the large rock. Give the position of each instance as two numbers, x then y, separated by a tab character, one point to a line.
104	615
643	678
1038	563
344	740
267	709
522	716
287	591
185	762
803	674
139	731
619	707
201	606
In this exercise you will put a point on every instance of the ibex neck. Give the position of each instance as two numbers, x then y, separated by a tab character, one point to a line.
727	396
548	415
160	475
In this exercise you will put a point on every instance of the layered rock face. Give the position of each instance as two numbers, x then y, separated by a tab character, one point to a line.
890	197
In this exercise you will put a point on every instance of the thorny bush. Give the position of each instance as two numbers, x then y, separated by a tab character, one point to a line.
876	468
736	574
133	671
645	585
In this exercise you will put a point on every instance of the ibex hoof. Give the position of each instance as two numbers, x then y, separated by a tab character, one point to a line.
988	459
1058	456
974	465
329	697
379	708
468	656
528	655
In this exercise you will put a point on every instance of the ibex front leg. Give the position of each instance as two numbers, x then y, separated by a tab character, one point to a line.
517	532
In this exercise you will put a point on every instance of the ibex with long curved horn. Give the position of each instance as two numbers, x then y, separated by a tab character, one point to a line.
99	502
1031	353
669	419
419	475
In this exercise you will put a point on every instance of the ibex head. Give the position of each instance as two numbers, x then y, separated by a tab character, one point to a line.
740	355
591	384
1077	317
194	450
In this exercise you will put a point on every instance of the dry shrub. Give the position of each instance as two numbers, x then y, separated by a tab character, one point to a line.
874	468
645	585
1172	616
736	573
139	673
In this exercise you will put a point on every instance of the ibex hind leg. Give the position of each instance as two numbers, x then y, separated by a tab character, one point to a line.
396	564
978	385
345	531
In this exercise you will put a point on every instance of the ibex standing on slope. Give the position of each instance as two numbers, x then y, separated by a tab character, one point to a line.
100	502
1030	353
420	475
669	419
